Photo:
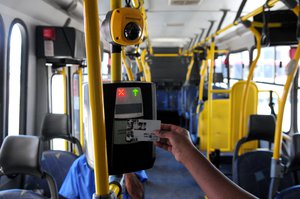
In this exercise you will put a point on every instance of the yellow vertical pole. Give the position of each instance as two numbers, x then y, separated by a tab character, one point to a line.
291	72
116	70
249	78
92	39
189	70
140	67
202	78
210	82
64	74
80	73
146	67
128	68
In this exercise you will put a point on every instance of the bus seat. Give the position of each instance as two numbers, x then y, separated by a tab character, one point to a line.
251	170
55	162
292	190
162	100
21	155
193	126
289	193
56	126
173	99
190	93
251	108
220	124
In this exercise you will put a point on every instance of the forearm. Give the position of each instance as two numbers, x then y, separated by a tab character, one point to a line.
211	180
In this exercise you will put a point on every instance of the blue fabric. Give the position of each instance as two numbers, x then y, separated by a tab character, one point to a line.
20	194
80	183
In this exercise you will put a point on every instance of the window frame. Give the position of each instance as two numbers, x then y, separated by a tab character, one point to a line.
23	76
2	78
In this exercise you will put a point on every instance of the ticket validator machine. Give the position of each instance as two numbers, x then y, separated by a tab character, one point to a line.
124	103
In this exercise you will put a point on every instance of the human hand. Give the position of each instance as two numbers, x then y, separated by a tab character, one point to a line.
175	140
133	186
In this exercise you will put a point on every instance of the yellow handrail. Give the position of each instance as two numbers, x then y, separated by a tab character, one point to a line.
165	55
145	65
140	67
128	68
220	91
189	70
292	69
92	40
80	73
203	70
265	91
116	70
250	75
271	3
64	74
210	106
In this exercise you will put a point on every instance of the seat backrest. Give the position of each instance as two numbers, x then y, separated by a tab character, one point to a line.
21	155
57	126
251	170
56	163
289	193
260	127
251	108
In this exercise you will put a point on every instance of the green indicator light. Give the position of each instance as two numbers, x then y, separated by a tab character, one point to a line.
135	92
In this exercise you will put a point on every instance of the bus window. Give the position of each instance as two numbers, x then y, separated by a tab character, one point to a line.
282	58
238	62
16	63
76	106
265	70
221	68
263	103
105	66
2	75
246	61
58	104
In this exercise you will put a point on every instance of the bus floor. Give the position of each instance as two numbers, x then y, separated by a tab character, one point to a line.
169	179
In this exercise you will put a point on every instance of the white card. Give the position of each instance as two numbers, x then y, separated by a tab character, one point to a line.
142	130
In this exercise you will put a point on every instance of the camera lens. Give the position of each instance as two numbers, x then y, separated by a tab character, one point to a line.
132	31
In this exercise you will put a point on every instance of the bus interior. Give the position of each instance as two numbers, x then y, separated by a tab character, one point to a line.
73	72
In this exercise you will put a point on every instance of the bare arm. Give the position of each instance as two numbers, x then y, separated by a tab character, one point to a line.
177	141
133	185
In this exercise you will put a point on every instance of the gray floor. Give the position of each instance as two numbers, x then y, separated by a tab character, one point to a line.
168	179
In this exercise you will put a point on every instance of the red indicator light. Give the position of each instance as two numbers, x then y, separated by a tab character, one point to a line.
121	92
49	33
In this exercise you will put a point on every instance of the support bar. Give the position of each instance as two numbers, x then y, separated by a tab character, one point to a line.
92	40
222	19
239	12
249	78
128	68
189	70
201	35
210	27
271	3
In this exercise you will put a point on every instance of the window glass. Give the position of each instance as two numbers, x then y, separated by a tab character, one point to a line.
76	106
105	67
237	63
246	61
265	70
58	104
282	58
15	56
221	71
57	94
264	99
